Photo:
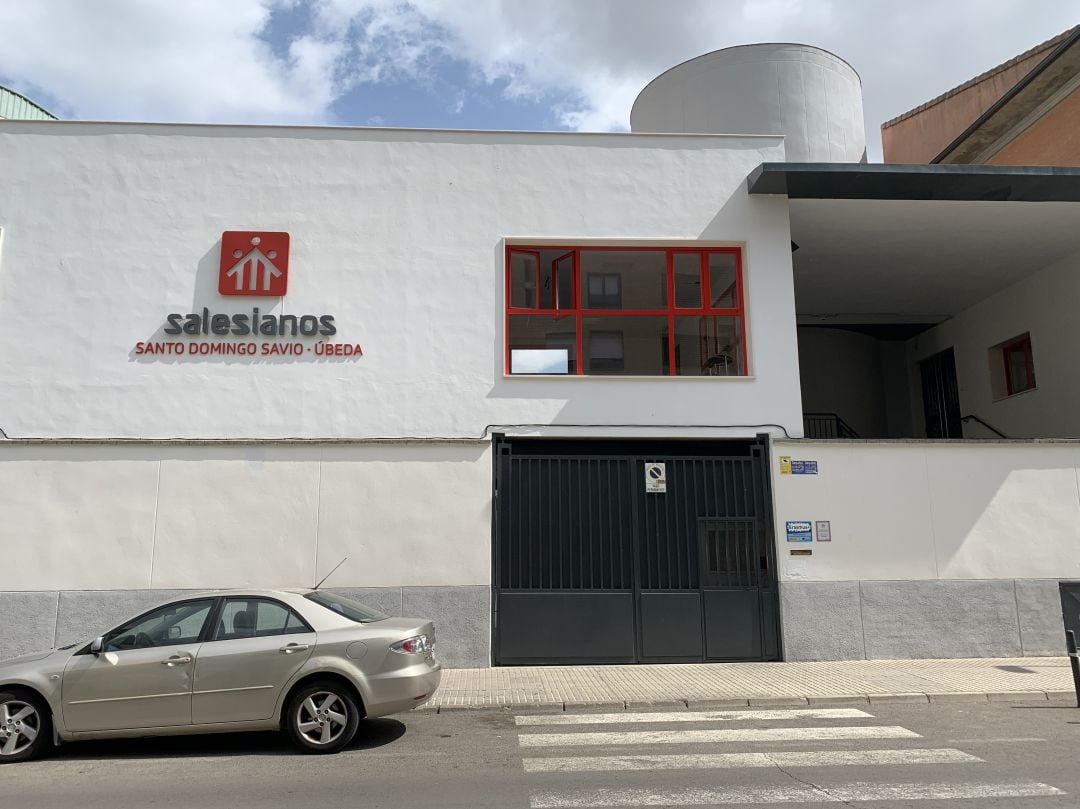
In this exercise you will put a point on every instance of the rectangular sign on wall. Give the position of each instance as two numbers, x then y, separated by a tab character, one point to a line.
824	530
799	531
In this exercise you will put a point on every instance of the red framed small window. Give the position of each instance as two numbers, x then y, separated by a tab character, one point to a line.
625	311
1019	364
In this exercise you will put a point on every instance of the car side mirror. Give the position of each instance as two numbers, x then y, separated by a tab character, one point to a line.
96	645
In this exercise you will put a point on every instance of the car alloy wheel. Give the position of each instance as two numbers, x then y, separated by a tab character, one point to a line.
322	717
24	730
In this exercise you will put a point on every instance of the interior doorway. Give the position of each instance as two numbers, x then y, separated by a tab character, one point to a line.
941	396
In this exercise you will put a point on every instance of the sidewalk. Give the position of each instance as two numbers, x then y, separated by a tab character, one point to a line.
735	684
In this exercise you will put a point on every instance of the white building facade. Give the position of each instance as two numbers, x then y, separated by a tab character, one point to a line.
542	387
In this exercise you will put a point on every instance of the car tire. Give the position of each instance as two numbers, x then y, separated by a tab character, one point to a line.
322	717
20	714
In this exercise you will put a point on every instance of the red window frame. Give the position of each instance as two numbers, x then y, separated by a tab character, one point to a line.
671	311
1023	342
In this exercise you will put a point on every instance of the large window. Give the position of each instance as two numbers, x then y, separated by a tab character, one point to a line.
625	311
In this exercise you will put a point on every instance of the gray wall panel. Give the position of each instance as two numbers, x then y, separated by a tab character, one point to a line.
85	614
1038	603
821	620
905	619
27	622
462	618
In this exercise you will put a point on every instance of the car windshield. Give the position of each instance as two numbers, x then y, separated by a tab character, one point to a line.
343	605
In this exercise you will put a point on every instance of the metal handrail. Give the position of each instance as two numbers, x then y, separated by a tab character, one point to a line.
991	428
839	427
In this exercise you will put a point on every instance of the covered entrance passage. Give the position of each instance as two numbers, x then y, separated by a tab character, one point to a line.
592	565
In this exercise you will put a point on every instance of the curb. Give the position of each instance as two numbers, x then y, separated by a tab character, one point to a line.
811	700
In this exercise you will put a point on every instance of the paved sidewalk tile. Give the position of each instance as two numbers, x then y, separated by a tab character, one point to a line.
733	685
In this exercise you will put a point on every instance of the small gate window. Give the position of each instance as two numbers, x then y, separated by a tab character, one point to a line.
733	554
625	311
1012	367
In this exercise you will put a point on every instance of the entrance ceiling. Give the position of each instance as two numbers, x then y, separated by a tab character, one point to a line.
919	261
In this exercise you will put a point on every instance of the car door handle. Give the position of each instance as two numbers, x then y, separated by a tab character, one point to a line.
176	660
289	648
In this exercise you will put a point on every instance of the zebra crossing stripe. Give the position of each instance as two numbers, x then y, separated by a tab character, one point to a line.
690	716
818	758
847	793
712	736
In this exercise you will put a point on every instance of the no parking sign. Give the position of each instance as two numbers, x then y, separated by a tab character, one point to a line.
655	478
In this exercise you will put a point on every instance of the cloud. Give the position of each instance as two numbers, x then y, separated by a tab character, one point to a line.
208	60
199	60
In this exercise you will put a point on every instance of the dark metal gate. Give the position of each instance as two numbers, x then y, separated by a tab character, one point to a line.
589	567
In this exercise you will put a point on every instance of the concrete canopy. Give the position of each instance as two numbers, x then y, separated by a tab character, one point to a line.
918	261
880	245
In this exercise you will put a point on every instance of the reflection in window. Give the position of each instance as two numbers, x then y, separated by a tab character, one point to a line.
605	290
625	311
687	270
542	344
641	279
633	345
524	268
708	345
723	286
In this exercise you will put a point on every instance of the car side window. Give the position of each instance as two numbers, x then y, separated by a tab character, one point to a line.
171	625
256	618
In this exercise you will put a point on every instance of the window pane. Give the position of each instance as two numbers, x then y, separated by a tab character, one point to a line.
687	270
542	344
722	288
710	345
343	605
547	286
1018	366
167	626
255	617
564	269
523	268
624	279
629	345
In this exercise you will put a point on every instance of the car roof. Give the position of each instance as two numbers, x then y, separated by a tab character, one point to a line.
254	592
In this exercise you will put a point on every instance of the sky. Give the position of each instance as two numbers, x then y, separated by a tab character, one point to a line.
473	64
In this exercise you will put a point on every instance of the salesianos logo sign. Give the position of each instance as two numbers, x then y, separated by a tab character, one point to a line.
252	264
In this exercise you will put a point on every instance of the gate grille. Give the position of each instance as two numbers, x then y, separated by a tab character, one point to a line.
714	488
566	524
591	567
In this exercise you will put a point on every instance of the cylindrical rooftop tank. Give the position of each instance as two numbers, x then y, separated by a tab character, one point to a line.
806	94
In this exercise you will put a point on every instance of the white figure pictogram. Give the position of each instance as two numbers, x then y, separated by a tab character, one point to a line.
253	267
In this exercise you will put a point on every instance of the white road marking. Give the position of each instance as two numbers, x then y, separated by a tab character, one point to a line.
711	736
847	793
690	716
819	758
1007	740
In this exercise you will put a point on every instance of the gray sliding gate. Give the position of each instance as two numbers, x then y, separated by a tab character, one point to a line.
589	567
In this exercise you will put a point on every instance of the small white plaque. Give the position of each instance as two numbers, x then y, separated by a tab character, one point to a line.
655	478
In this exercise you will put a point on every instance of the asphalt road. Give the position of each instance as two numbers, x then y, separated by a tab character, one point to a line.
927	756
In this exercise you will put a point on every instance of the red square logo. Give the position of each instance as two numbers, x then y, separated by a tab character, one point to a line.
254	263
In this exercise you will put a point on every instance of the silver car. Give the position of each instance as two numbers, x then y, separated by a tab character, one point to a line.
309	662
